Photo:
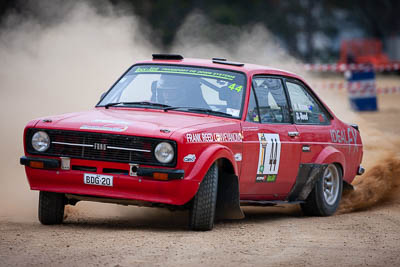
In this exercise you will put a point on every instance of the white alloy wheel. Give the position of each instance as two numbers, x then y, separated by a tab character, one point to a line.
331	186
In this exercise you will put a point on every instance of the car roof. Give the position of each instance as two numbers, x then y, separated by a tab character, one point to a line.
247	68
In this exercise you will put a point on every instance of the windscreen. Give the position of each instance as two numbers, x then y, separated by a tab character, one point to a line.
181	86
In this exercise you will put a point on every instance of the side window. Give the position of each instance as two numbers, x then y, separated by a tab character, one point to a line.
252	113
306	109
272	101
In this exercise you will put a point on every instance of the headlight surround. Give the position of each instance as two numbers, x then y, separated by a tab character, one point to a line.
40	141
164	152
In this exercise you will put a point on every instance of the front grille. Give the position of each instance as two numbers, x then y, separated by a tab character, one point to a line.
99	146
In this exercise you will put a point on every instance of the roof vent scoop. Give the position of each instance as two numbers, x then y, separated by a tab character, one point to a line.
167	56
225	62
218	59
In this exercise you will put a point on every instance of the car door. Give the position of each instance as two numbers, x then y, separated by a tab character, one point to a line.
311	119
271	151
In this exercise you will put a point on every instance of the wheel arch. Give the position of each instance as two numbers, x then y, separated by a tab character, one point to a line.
309	173
228	201
210	155
331	155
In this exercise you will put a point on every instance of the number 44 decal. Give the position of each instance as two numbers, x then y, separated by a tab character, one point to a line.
269	157
236	88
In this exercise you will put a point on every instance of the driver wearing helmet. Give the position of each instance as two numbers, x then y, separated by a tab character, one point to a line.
170	90
178	90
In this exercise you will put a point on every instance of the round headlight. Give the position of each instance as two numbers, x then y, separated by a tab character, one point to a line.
164	152
40	141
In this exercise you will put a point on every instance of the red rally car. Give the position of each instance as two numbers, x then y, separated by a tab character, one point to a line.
209	136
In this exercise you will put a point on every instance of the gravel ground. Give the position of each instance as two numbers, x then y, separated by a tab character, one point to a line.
267	237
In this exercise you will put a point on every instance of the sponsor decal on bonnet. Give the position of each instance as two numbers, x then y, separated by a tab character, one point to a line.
111	121
110	128
107	125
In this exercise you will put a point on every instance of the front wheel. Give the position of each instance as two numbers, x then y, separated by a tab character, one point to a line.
202	211
51	207
325	197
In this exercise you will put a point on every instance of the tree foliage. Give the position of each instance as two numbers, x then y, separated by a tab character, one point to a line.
308	29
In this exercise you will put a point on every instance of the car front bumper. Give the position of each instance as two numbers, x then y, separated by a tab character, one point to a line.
49	176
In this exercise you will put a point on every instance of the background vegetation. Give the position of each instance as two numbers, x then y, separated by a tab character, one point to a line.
310	30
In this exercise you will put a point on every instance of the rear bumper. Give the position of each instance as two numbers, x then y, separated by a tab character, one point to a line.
178	191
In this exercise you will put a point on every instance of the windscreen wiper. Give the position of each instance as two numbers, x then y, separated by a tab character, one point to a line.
210	111
138	103
202	110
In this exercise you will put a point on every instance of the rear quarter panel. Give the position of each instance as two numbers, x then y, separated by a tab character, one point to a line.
343	146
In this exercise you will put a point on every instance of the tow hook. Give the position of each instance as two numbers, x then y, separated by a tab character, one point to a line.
360	170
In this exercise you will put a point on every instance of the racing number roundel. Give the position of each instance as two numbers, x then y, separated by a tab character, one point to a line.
269	156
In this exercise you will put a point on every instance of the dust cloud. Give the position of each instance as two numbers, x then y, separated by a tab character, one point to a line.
64	65
54	68
380	184
198	37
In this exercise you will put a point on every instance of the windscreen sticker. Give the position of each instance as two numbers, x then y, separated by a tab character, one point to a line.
233	87
185	71
234	112
269	157
300	107
213	137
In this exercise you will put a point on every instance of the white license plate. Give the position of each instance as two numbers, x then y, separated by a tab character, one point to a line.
98	179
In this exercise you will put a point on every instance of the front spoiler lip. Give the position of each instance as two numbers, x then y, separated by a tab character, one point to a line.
141	171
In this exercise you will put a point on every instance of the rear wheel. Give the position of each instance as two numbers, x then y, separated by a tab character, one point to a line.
325	197
51	207
202	212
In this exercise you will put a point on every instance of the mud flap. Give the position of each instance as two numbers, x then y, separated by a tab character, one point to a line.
347	187
305	181
228	201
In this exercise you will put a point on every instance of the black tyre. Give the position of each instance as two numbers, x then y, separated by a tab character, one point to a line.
202	211
51	207
324	199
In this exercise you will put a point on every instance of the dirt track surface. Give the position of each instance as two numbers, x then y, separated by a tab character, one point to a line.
103	234
267	237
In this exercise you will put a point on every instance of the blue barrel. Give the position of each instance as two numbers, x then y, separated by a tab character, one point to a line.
362	90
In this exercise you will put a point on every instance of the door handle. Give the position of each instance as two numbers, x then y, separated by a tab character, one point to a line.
293	134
